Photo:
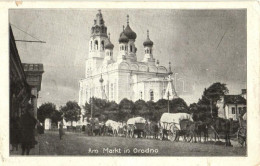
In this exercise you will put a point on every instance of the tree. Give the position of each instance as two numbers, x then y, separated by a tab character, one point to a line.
46	110
208	101
126	105
71	111
178	105
56	116
139	108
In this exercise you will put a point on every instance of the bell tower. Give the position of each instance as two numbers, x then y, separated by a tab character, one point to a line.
148	49
97	43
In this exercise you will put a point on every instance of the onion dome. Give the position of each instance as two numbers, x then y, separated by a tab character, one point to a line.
129	32
109	45
148	42
123	38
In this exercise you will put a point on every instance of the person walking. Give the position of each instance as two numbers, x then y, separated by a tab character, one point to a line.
28	123
15	133
61	132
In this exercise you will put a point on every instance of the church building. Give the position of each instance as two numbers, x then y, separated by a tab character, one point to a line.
115	77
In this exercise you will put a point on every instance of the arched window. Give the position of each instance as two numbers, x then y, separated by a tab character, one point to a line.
151	95
131	48
96	45
102	45
112	91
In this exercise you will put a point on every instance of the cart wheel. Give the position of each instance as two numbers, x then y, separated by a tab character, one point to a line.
188	137
172	135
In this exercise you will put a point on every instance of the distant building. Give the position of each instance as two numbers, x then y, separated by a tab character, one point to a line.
232	106
115	78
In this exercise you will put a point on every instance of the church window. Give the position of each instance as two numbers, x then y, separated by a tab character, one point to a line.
151	95
112	91
96	45
164	90
102	45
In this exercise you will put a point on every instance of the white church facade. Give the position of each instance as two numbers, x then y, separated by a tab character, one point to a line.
115	78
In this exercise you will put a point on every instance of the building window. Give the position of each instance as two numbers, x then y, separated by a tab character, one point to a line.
96	45
141	95
131	48
102	45
151	95
233	110
91	45
240	110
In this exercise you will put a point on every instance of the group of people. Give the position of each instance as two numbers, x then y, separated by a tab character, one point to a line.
22	131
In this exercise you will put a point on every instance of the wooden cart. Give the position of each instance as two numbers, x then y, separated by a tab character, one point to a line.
136	126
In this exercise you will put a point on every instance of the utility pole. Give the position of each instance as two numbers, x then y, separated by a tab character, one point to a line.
91	107
168	95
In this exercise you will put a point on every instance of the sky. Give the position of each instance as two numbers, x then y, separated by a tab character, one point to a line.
203	46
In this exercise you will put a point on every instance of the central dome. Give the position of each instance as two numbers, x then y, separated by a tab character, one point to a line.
123	38
130	33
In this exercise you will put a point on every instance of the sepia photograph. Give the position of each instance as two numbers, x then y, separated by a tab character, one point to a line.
127	82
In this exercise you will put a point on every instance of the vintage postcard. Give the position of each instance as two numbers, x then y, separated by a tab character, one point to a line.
133	80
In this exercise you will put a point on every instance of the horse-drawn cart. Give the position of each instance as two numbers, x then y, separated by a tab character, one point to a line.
174	125
136	126
241	133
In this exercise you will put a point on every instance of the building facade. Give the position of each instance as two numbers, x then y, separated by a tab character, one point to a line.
232	106
115	78
25	81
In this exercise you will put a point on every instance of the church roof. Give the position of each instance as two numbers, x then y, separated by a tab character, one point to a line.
123	38
129	32
148	42
109	45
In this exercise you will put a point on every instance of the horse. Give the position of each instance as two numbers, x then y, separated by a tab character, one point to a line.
151	130
202	127
187	130
222	126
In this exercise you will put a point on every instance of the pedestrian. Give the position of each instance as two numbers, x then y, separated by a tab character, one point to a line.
15	133
28	123
61	131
